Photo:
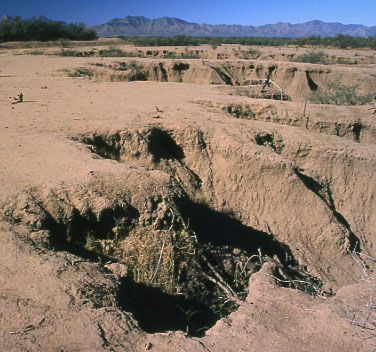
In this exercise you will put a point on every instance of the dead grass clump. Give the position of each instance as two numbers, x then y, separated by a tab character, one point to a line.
250	54
74	53
159	257
131	71
125	66
80	72
66	52
242	111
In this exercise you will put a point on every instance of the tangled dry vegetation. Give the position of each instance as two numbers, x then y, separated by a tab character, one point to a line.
364	317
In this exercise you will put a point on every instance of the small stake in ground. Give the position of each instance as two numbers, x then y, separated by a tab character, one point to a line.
374	105
19	99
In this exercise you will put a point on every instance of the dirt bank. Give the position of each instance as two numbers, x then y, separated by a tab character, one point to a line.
171	213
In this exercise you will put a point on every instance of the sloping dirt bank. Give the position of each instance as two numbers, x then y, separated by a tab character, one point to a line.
359	126
136	217
176	228
217	167
296	80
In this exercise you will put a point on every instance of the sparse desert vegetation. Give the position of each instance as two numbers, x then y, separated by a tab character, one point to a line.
320	57
339	41
313	57
334	92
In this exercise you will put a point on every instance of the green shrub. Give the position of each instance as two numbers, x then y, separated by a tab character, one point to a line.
333	92
136	72
313	57
112	52
121	66
253	54
65	52
98	64
180	66
17	29
116	52
169	55
189	55
73	53
35	52
134	65
343	61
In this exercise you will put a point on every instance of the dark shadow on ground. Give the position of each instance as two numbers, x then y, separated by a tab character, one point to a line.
221	229
157	311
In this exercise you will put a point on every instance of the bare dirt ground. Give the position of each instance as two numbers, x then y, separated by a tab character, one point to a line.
161	202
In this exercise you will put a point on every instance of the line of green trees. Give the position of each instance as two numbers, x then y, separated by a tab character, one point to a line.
16	29
339	41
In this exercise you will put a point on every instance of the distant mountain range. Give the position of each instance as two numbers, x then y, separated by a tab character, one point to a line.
165	26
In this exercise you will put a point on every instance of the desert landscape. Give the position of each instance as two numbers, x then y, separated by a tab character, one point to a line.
198	198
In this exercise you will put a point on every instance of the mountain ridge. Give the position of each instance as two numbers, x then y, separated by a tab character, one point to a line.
165	26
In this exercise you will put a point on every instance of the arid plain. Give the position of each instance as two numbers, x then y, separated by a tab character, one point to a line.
168	200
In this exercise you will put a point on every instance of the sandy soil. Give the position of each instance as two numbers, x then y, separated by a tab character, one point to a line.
134	212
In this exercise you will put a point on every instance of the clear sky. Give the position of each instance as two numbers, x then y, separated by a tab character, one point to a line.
245	12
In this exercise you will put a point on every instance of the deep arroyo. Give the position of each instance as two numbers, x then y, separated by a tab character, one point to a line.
185	265
183	249
168	203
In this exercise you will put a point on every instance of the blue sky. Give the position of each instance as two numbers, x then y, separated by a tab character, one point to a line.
245	12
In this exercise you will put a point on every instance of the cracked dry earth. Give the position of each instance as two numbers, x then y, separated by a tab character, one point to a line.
182	217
